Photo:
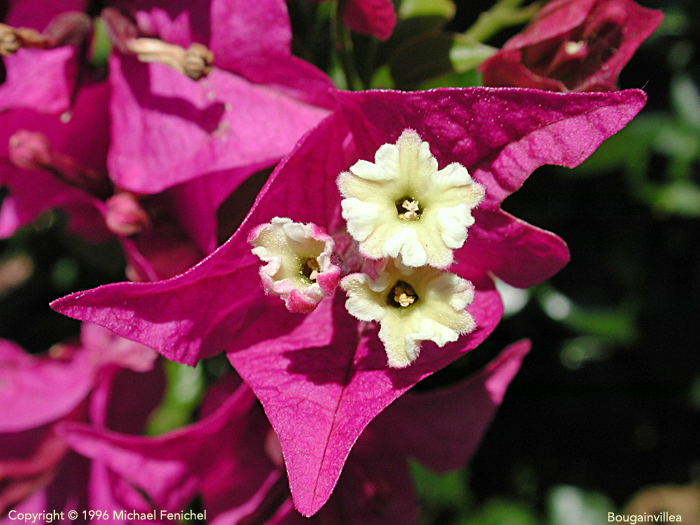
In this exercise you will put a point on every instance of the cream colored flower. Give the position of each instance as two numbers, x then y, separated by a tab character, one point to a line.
411	305
299	267
402	206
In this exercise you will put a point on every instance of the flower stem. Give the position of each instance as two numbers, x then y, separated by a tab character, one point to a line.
504	13
343	46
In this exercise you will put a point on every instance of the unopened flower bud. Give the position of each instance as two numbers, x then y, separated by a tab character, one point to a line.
69	28
30	150
125	216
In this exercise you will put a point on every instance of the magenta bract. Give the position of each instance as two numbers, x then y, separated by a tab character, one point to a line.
106	380
245	115
233	458
322	377
74	150
370	17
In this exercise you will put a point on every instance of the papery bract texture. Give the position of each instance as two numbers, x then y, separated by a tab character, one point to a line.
35	391
244	115
94	381
232	457
323	377
573	45
39	79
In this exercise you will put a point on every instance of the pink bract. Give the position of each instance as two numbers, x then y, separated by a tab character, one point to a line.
83	138
42	80
232	457
323	377
245	115
94	381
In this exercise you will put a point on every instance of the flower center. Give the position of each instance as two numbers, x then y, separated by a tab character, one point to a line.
408	208
310	268
402	295
571	48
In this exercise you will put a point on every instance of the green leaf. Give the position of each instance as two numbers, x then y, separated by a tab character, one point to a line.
381	79
405	31
453	79
467	54
677	141
437	488
64	274
499	511
679	198
420	59
686	100
618	325
576	352
183	392
413	8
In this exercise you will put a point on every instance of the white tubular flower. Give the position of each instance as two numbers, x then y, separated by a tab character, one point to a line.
299	267
403	206
411	305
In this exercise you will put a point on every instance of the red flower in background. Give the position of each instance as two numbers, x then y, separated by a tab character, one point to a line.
573	45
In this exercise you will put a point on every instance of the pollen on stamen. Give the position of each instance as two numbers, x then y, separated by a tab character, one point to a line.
402	295
310	269
194	62
408	209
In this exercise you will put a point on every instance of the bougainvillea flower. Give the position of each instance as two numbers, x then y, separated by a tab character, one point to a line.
298	257
370	17
107	380
430	308
573	45
434	206
232	456
246	114
323	376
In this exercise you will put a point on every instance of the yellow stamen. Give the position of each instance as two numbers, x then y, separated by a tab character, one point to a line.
412	209
403	295
310	269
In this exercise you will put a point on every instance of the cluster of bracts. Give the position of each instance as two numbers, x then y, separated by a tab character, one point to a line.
366	262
